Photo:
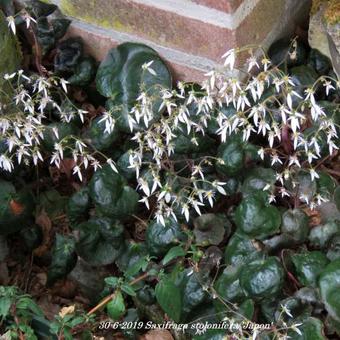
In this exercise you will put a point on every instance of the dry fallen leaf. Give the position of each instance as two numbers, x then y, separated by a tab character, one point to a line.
16	207
314	216
66	310
45	223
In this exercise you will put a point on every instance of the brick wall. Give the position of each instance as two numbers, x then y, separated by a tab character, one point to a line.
191	35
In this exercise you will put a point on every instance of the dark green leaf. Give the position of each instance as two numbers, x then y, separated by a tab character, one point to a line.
308	266
311	329
32	236
159	238
232	155
100	241
16	208
64	130
64	258
319	62
60	27
319	236
69	53
78	206
42	9
333	252
174	252
111	195
111	281
210	229
128	289
45	34
241	249
257	179
256	218
120	76
169	298
116	307
84	72
262	278
295	224
329	285
228	286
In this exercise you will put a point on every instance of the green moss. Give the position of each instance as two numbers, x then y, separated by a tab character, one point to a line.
10	53
88	12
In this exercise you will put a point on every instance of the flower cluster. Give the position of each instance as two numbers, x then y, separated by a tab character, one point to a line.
265	103
25	133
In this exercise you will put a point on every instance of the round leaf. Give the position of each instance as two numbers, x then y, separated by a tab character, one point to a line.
100	241
308	266
255	218
329	285
169	298
120	77
211	228
262	278
159	238
295	224
64	258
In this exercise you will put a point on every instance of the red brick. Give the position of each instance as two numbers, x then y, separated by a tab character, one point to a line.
98	45
163	27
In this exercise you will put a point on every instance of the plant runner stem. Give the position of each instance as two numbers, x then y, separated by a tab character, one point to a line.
111	296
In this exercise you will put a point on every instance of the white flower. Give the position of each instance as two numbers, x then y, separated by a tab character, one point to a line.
260	152
275	159
295	328
9	76
293	159
64	83
219	187
252	62
265	62
304	197
6	163
145	201
230	57
147	67
328	85
81	114
112	165
28	19
210	195
185	211
271	198
11	23
285	310
76	170
313	174
197	169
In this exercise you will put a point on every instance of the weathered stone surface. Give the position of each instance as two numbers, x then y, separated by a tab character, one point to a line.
228	6
324	35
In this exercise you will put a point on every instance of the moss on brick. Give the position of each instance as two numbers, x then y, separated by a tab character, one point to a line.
90	12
